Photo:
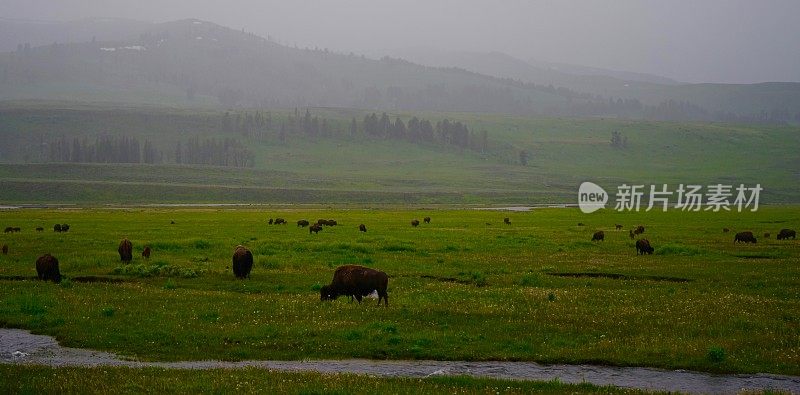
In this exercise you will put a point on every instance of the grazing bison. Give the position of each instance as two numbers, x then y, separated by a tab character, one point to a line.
172	222
15	229
327	222
8	230
415	223
146	252
639	230
279	221
618	226
5	249
57	228
785	234
356	281
65	227
744	237
302	223
766	235
427	220
643	247
242	262
47	268
630	233
581	224
270	221
599	236
725	230
314	228
507	221
362	227
125	250
40	229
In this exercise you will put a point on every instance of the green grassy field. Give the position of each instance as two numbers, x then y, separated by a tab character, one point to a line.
465	287
26	379
343	169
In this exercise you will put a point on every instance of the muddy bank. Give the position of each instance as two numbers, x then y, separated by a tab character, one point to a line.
21	347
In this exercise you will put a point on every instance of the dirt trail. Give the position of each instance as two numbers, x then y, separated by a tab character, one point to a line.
21	347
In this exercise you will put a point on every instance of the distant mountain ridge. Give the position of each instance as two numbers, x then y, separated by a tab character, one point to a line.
198	63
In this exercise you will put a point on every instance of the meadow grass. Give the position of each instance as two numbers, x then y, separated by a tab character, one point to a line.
31	379
465	287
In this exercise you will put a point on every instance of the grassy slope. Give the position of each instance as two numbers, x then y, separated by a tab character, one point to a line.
28	379
460	288
564	153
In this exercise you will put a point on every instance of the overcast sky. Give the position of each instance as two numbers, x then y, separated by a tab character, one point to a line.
695	41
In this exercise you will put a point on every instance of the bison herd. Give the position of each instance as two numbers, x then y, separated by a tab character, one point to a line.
348	280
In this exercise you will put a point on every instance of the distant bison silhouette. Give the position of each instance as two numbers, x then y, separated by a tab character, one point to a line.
362	227
302	223
125	251
314	228
639	230
643	247
47	268
507	221
356	281
40	229
581	224
744	237
599	236
242	262
8	230
146	252
725	230
65	227
270	221
415	223
57	228
618	226
427	220
786	234
5	249
766	235
172	222
279	221
630	233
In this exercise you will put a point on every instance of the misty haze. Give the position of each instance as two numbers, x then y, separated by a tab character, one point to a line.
376	196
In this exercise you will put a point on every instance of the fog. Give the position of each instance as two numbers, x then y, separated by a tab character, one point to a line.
693	41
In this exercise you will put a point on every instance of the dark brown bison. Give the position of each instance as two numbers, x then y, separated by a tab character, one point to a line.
302	223
39	229
362	227
5	249
766	235
786	234
639	230
125	250
314	228
8	230
618	226
630	233
599	236
643	247
280	221
47	268
581	224
415	223
270	221
356	281
242	262
172	222
725	230
65	227
426	220
57	228
146	252
744	237
327	222
507	221
17	229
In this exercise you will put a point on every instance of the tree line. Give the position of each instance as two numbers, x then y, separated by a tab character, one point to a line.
104	149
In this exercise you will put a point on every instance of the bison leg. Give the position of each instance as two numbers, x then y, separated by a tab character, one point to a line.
385	297
358	298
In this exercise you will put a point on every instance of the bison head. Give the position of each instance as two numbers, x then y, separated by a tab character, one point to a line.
326	293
